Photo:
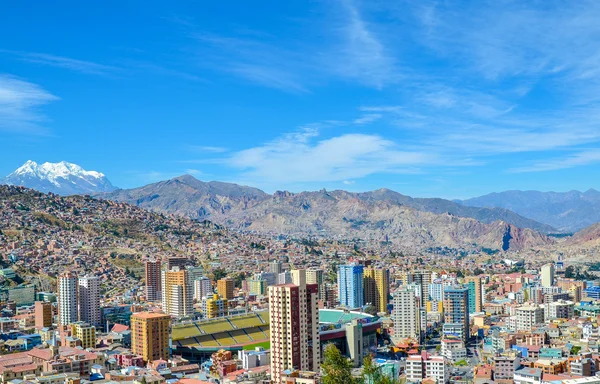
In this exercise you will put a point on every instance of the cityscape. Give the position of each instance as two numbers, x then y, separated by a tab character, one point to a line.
300	192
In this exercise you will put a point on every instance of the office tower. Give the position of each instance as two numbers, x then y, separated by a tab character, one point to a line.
436	292
150	335
528	316
225	288
456	310
153	280
67	298
89	300
376	285
284	278
214	306
178	293
202	288
316	276
276	267
350	285
294	322
475	294
85	332
269	277
257	286
547	275
176	261
43	314
423	279
195	273
405	314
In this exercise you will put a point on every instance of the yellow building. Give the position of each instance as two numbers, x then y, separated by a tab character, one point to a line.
177	292
84	332
435	306
257	287
225	288
215	307
150	335
376	288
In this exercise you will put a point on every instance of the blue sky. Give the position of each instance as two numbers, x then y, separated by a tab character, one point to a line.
451	99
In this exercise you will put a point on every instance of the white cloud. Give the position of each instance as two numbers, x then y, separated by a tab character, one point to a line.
297	158
19	105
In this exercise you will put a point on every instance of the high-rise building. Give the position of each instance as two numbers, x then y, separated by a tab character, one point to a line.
528	316
284	278
150	335
423	279
153	280
473	283
405	314
178	293
257	287
376	286
317	276
85	332
276	267
43	314
67	298
456	309
314	276
225	288
202	288
436	292
214	306
294	322
547	275
350	285
89	300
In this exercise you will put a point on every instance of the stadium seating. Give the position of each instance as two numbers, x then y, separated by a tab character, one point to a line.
240	336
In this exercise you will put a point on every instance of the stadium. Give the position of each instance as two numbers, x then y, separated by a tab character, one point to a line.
352	332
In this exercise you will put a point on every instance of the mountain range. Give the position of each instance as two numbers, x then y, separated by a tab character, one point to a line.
566	211
61	178
382	215
511	220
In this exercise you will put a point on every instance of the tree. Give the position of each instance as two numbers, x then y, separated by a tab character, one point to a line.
372	374
371	310
336	367
570	272
477	271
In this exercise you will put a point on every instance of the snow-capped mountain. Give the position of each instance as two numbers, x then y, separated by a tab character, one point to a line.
62	178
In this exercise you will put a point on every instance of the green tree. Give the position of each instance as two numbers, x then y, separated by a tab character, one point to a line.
372	374
570	272
336	367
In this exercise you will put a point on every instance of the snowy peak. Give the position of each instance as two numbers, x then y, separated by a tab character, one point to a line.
63	178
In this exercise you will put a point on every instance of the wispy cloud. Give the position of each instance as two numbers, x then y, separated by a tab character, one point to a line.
368	119
365	57
82	66
570	161
20	103
208	149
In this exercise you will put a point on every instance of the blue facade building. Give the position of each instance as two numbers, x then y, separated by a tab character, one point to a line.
350	285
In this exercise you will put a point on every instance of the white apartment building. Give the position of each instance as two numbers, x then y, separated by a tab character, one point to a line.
528	316
67	298
406	314
424	365
89	300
